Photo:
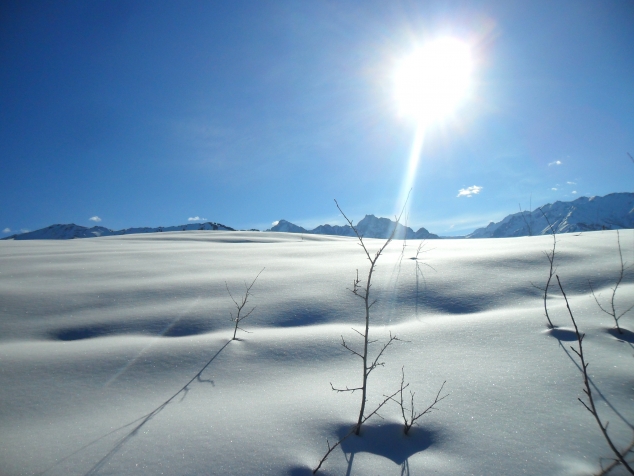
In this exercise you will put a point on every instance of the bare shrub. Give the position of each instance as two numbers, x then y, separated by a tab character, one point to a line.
240	305
550	256
611	310
362	290
410	415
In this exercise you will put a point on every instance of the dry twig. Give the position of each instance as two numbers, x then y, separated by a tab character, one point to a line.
241	304
612	312
410	415
550	256
590	406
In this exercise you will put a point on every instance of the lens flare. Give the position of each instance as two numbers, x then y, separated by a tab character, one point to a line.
431	82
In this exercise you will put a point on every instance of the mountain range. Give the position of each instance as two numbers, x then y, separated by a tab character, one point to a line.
611	212
71	231
369	227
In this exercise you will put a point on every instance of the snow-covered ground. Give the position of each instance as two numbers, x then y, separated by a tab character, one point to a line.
99	337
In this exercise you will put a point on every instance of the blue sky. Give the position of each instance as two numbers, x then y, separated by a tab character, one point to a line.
243	113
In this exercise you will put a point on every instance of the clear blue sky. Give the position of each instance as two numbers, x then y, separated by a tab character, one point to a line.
151	113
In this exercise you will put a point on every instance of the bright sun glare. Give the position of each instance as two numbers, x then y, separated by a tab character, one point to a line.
432	81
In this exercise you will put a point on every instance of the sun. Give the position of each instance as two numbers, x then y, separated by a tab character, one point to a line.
431	82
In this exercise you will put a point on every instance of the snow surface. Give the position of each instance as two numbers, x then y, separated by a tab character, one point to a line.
99	337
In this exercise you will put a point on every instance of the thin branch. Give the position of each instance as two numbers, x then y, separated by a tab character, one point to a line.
551	271
413	416
339	390
345	345
376	362
240	305
590	406
358	332
612	312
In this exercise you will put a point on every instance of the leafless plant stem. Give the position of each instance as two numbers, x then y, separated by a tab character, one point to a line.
550	256
362	291
240	305
590	406
612	311
410	415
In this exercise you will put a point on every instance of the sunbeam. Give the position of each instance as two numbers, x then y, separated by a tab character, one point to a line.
429	84
412	169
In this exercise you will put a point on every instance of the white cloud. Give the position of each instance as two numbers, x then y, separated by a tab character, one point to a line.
554	189
24	230
275	223
469	191
6	230
196	218
95	218
571	183
574	191
556	162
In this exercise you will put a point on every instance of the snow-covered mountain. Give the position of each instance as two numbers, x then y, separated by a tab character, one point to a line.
612	212
369	227
71	231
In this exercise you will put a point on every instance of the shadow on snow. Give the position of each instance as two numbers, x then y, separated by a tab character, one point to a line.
137	424
625	334
388	441
562	334
181	328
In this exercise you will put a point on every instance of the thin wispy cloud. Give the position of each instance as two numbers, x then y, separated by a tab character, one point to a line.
571	183
574	192
196	218
6	230
24	230
554	189
95	219
469	191
556	162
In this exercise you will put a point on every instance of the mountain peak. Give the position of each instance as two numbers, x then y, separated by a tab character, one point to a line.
287	226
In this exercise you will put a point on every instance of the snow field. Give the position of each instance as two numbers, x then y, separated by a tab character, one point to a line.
96	334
